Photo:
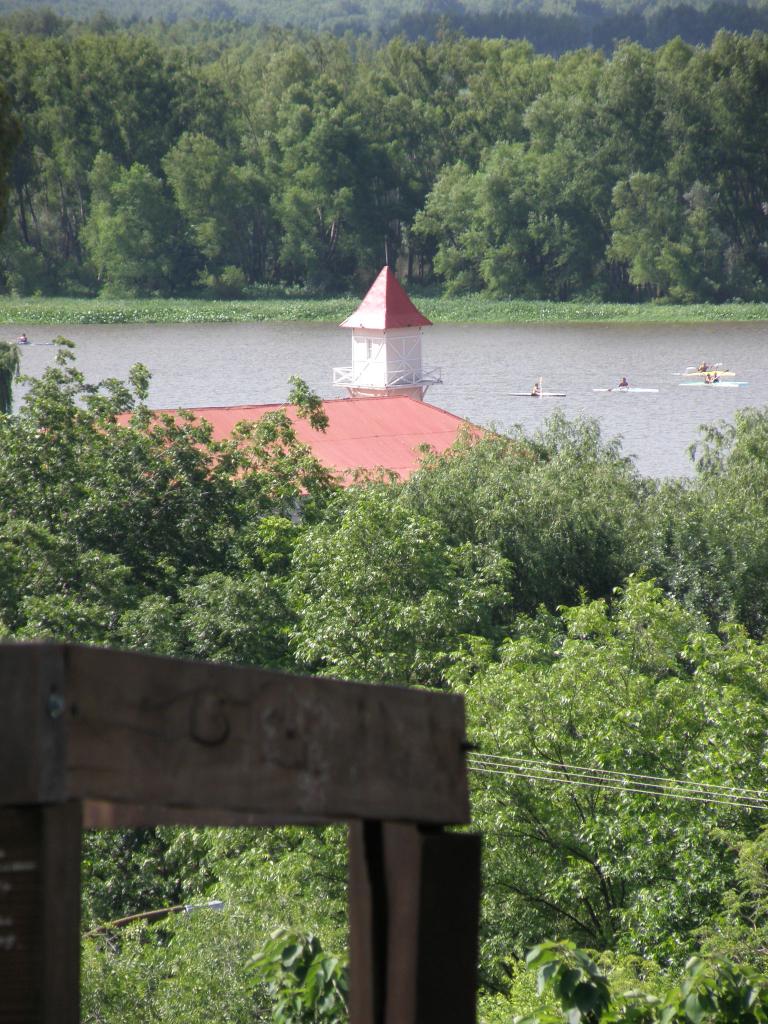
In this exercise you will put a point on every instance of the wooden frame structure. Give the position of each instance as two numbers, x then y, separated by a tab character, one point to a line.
92	738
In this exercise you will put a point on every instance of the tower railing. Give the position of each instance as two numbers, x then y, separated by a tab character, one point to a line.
349	376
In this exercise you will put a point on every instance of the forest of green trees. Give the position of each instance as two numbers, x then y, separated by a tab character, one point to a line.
227	163
589	616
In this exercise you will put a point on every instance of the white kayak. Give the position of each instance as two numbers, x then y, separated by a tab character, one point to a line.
631	390
540	394
713	384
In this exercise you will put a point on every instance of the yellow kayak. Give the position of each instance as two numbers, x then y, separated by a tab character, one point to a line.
691	371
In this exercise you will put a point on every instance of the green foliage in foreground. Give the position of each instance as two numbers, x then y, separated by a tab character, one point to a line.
713	991
145	531
467	309
305	985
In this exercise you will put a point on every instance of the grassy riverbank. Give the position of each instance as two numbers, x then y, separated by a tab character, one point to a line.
467	309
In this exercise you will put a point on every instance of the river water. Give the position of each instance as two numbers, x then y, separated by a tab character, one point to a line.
482	364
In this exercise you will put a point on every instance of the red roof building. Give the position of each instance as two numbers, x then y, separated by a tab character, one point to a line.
384	422
367	434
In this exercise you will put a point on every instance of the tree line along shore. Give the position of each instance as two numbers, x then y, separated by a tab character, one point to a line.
143	164
552	26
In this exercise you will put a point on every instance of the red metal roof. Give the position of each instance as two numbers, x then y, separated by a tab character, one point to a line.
386	305
363	433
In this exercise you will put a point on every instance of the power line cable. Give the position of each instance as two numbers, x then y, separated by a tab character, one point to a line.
513	761
621	785
671	793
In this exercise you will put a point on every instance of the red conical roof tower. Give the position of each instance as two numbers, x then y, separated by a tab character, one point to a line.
386	306
386	345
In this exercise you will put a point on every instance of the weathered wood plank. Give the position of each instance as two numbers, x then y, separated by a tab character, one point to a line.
150	730
132	739
39	914
402	852
32	733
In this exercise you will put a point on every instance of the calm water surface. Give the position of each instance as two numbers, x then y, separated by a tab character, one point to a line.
242	364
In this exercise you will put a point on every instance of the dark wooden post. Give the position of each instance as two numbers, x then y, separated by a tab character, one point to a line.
368	925
40	914
414	907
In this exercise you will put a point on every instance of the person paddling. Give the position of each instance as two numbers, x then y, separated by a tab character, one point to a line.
623	383
536	390
22	339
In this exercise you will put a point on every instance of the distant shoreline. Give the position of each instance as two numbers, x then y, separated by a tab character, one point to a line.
466	309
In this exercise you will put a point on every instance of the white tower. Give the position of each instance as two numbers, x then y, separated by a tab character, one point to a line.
386	345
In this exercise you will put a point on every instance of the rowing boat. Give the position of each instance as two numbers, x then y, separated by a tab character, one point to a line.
708	368
539	392
712	383
631	390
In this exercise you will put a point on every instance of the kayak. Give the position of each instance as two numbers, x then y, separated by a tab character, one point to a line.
703	373
631	390
541	394
713	384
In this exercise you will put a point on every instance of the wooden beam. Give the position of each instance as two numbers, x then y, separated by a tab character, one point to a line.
104	814
414	911
128	728
40	914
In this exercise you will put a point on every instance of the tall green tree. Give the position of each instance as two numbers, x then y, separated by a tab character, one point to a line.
224	204
77	96
710	543
132	232
381	595
564	508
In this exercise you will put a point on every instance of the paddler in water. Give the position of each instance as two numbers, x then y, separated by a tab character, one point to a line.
22	339
702	367
536	390
623	383
712	378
